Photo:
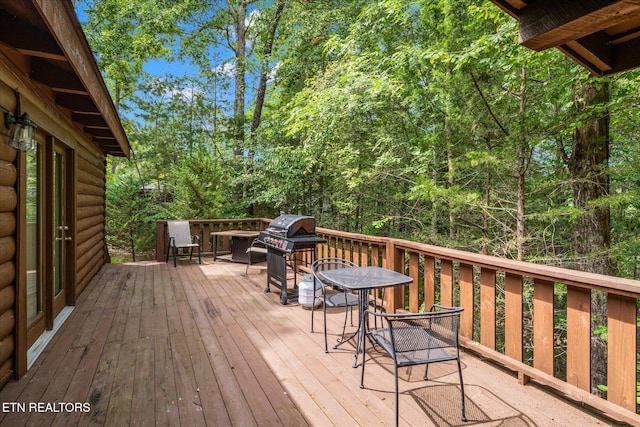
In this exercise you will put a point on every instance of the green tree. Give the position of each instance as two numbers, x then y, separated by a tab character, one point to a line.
131	217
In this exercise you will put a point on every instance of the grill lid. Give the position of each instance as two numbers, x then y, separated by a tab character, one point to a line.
293	225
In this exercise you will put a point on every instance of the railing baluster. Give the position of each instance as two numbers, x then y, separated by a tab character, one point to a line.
543	326
621	371
446	282
466	300
579	337
414	272
488	308
513	316
429	281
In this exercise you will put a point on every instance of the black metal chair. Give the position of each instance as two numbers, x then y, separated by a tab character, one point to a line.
330	298
419	339
256	247
180	237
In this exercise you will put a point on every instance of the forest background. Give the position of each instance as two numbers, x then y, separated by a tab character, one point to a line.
423	120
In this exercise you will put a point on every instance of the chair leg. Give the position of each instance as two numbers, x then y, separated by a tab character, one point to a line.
364	358
168	250
346	315
464	417
199	257
313	303
324	308
397	400
351	314
175	256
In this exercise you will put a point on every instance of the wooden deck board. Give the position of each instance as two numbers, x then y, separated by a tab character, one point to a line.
196	345
260	387
217	378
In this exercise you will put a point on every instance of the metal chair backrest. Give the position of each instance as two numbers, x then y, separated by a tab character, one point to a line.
425	337
180	232
419	339
333	299
326	264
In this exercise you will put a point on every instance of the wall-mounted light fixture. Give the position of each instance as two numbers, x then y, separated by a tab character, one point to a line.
22	138
23	133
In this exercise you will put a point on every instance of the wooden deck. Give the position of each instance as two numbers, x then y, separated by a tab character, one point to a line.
150	344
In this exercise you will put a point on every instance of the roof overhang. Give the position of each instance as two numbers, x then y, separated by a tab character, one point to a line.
601	35
49	36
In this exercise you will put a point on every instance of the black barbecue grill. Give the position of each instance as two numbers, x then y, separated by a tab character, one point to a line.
287	238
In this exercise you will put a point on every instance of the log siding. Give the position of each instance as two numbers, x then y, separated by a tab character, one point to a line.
8	205
90	219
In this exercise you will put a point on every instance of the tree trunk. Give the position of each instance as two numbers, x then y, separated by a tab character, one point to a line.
523	166
589	170
239	16
487	202
588	165
262	84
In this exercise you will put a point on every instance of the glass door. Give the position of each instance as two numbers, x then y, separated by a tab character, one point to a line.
61	233
36	321
48	237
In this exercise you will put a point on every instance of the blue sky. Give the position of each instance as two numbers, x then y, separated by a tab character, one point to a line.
163	68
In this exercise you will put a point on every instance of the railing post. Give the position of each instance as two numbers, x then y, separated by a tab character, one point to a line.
161	240
395	261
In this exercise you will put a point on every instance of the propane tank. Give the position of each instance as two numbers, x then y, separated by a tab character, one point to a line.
306	295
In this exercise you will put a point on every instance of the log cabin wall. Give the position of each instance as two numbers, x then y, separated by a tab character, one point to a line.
8	206
90	216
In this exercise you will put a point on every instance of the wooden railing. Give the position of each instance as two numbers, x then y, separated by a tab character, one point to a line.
501	298
204	228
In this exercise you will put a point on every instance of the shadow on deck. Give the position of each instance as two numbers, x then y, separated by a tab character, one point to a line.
150	344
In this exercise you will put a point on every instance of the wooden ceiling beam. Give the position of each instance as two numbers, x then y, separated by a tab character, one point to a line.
621	57
89	120
76	103
99	132
28	39
551	23
105	140
55	77
626	56
595	52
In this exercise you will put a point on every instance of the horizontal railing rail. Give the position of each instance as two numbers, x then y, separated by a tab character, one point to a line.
511	309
